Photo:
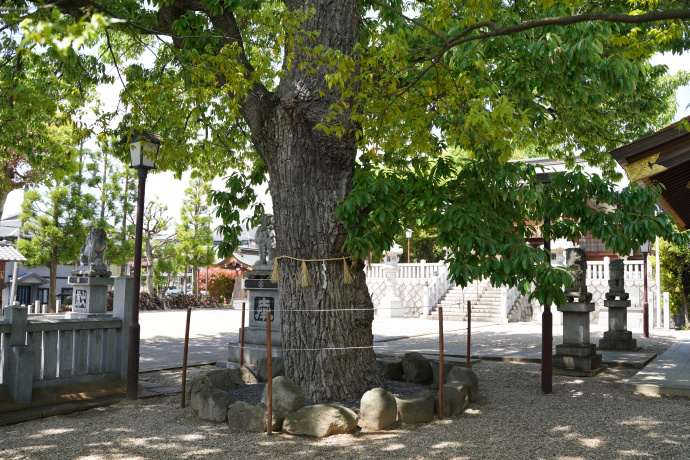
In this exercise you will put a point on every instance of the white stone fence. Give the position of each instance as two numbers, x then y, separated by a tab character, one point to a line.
50	350
419	285
600	270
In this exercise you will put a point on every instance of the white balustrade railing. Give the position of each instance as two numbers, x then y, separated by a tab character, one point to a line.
432	277
599	270
40	351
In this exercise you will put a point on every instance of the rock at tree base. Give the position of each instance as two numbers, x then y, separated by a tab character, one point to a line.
416	409
391	369
287	397
435	366
222	379
455	399
189	384
277	368
378	410
248	376
468	377
276	423
417	368
213	404
321	420
245	417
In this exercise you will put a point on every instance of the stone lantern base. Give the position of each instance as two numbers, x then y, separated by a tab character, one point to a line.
618	338
576	356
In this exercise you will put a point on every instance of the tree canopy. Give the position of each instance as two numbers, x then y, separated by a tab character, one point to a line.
358	99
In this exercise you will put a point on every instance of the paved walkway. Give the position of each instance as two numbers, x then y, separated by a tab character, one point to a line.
164	352
669	374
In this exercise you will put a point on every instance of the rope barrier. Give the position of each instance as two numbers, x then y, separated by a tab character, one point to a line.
335	309
304	274
310	349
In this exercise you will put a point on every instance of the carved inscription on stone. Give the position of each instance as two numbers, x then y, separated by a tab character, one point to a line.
263	305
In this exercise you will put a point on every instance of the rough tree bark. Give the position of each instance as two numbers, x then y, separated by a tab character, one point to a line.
327	353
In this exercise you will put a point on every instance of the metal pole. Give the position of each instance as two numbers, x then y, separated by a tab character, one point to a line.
469	332
408	250
440	363
269	370
645	305
547	331
134	329
184	357
242	337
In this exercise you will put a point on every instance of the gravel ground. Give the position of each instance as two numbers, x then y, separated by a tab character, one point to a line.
584	418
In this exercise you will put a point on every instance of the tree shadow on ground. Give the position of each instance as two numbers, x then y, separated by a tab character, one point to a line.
583	418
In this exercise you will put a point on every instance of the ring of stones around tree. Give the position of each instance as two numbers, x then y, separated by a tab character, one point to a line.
209	396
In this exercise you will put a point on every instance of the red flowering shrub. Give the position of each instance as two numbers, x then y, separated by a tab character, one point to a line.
221	282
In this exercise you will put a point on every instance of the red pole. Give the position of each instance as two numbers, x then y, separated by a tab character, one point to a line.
469	333
242	337
186	349
269	369
440	363
134	328
547	332
645	305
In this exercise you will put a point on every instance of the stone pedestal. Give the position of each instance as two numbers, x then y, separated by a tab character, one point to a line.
577	356
263	300
618	337
390	305
89	296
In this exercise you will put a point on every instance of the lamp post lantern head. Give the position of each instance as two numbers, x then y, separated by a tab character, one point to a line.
143	150
646	247
408	233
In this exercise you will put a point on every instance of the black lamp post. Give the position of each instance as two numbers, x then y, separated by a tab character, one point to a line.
408	234
143	152
644	249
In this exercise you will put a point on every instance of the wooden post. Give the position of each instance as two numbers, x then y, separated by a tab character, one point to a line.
269	369
242	337
547	331
184	358
469	333
440	363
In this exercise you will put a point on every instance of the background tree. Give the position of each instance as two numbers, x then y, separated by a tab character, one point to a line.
194	234
675	275
40	93
155	223
423	246
117	187
291	90
220	282
167	267
56	221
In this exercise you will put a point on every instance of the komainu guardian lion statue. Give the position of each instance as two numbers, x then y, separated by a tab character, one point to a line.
91	256
616	280
576	259
265	238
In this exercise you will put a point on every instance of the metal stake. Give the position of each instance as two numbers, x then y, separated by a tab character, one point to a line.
440	363
469	333
242	337
269	369
186	349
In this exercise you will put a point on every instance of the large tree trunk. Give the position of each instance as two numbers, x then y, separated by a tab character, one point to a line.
328	347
